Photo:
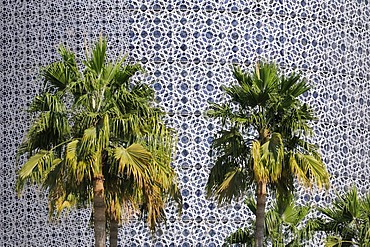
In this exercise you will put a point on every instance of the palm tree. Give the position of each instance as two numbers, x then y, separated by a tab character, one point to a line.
284	225
263	140
347	220
97	138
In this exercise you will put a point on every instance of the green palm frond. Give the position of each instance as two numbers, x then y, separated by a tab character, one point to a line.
96	60
110	71
79	165
51	125
84	120
294	215
365	216
38	161
294	85
49	129
347	221
62	74
284	224
134	160
56	74
233	186
251	204
51	177
241	236
232	154
256	89
305	147
309	170
272	225
124	74
307	232
266	78
71	152
365	206
35	168
364	233
222	111
47	102
143	91
103	128
69	59
297	120
334	241
89	141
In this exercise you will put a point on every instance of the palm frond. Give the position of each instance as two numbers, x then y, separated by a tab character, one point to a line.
232	154
294	85
241	236
35	168
134	160
365	208
309	170
346	223
47	102
334	241
56	74
251	204
222	111
103	132
284	224
110	71
60	75
95	63
266	78
272	155
124	75
88	143
52	173
273	223
84	120
308	230
50	127
233	186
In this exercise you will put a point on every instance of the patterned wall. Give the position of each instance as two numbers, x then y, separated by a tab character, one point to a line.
187	48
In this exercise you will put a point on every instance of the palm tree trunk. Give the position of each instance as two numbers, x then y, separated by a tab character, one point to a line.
99	212
260	213
113	233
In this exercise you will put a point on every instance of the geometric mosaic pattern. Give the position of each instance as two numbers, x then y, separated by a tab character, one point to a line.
187	48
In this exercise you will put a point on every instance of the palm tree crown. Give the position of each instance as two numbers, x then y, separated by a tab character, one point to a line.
99	138
346	221
263	141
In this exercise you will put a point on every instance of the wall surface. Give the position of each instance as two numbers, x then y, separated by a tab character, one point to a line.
187	48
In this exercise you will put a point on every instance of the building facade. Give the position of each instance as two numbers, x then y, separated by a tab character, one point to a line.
188	48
